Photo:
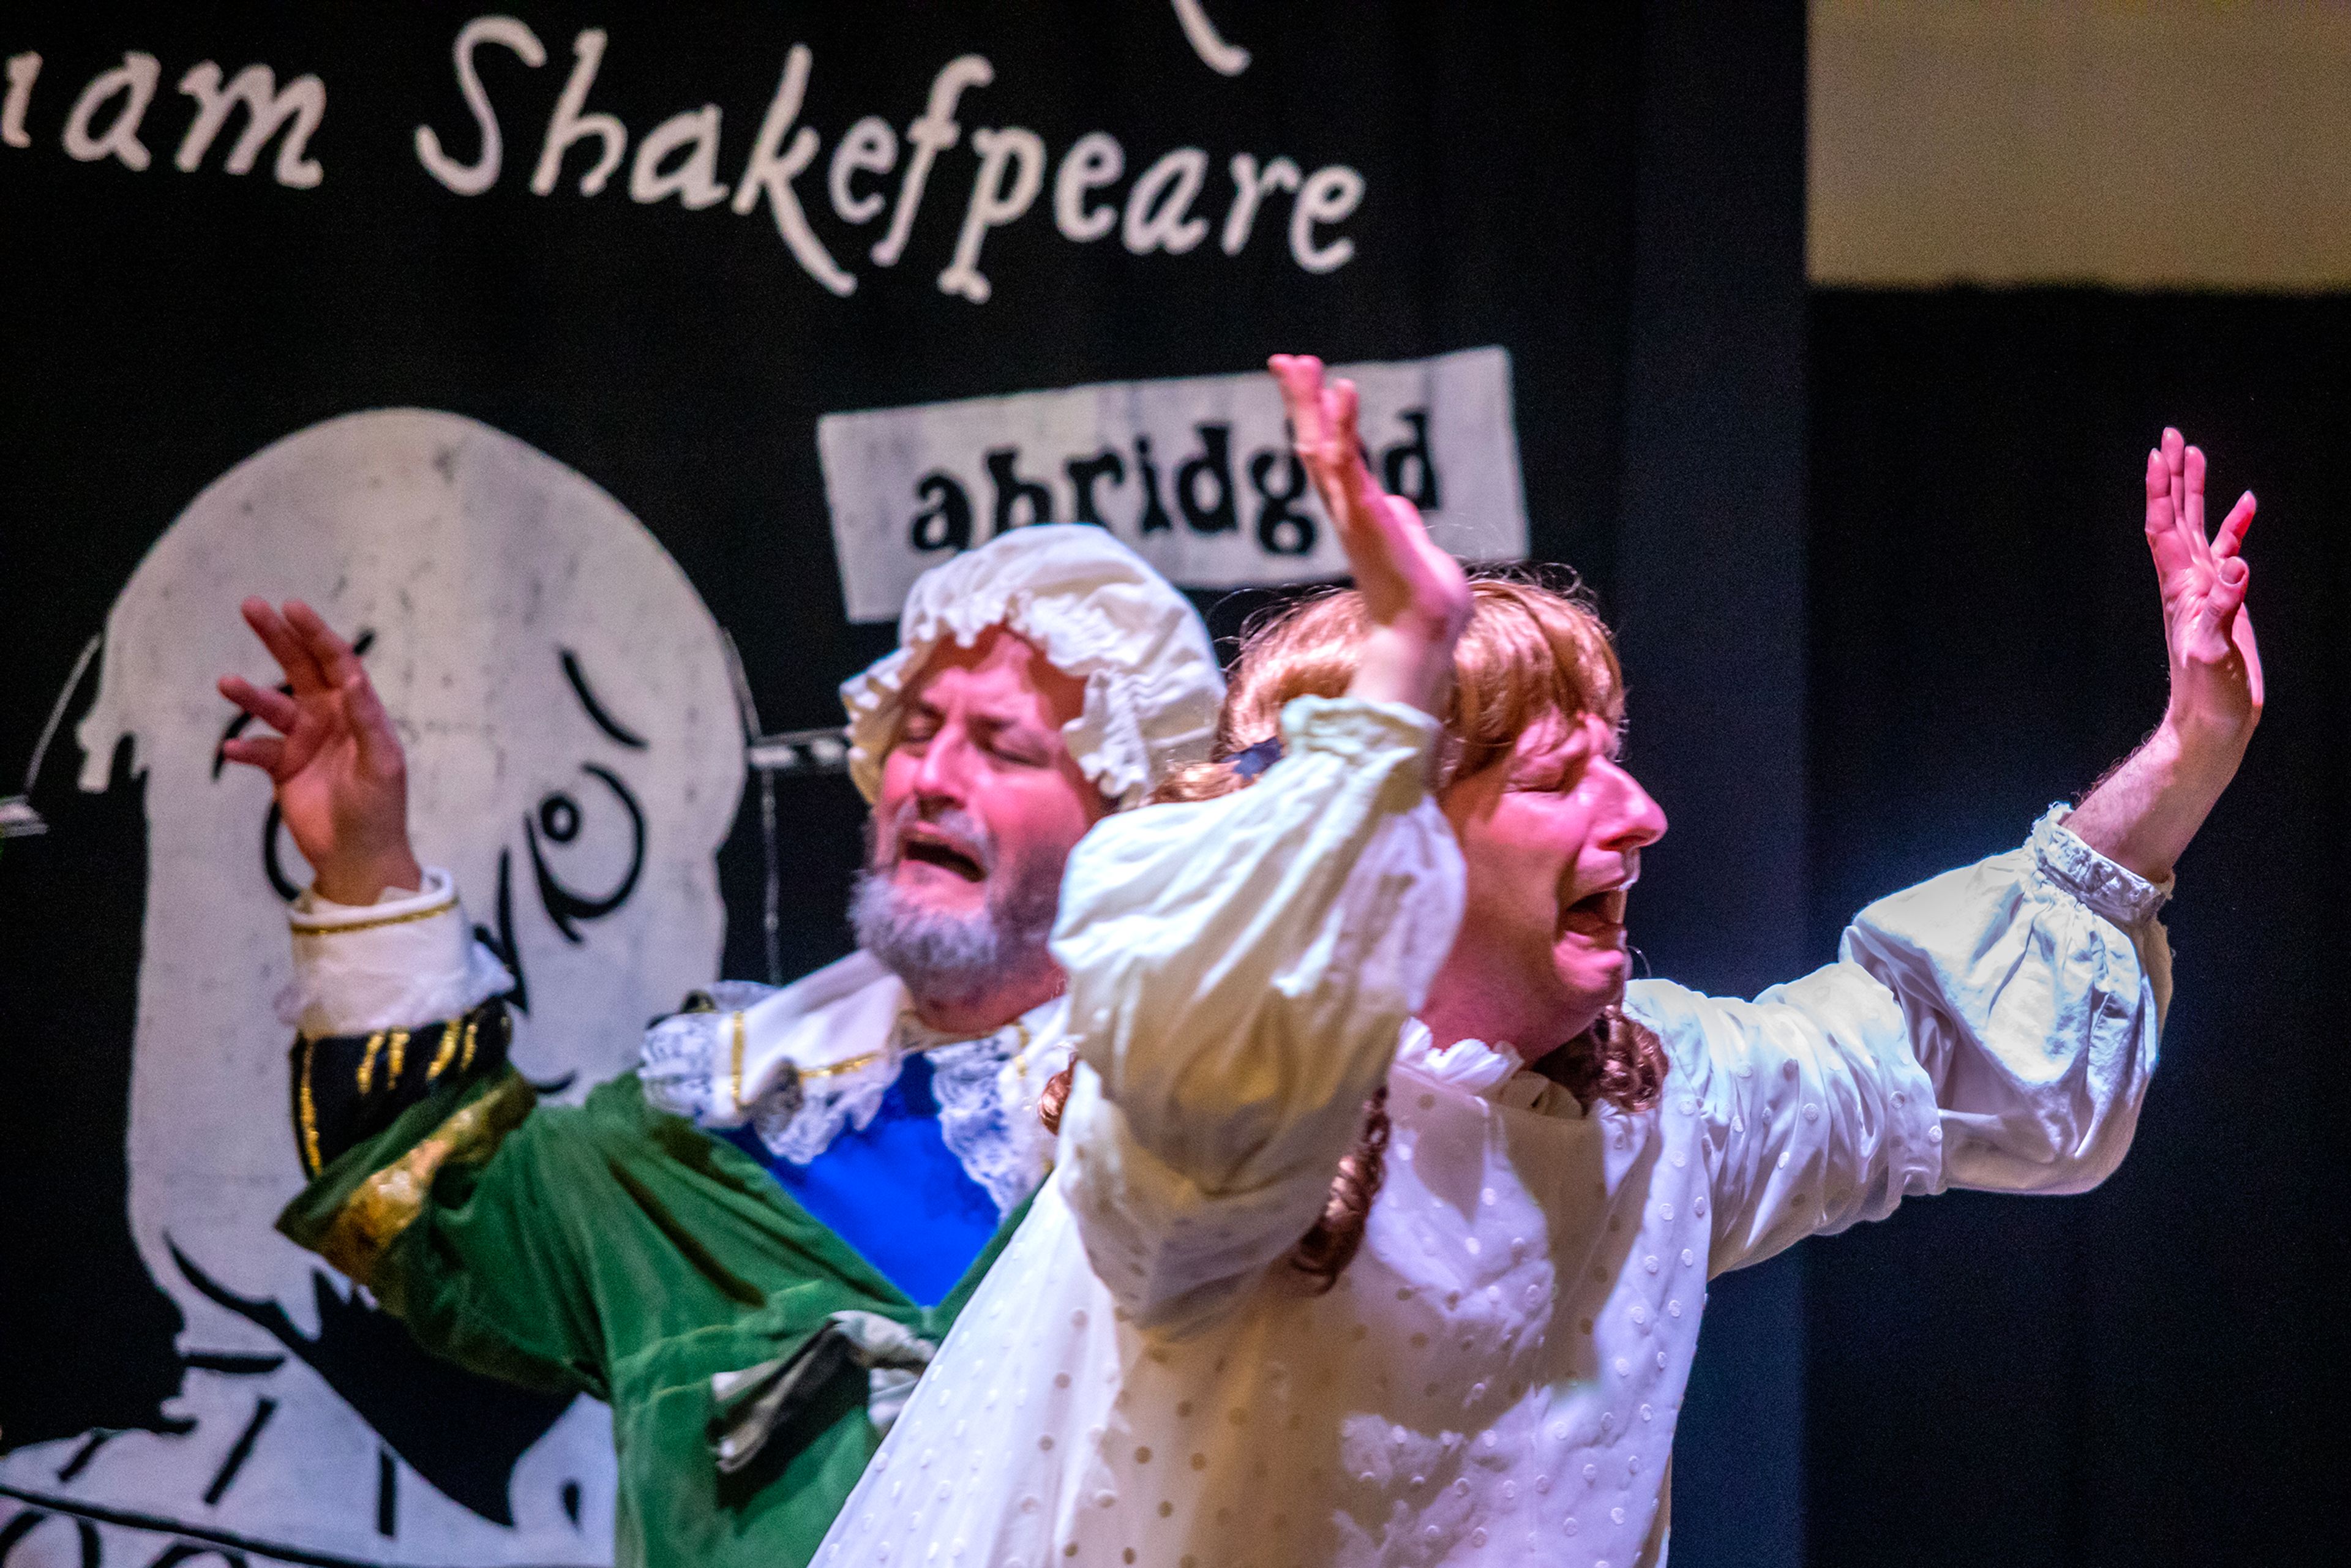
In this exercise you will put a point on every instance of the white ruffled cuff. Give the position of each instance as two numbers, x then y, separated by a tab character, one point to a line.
1358	730
2117	891
686	1064
408	959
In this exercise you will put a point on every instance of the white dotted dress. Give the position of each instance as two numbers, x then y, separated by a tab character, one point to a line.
1495	1376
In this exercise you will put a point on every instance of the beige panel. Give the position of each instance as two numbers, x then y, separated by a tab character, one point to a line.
2164	144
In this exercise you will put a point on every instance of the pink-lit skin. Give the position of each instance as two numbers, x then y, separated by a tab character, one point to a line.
981	737
1551	836
1415	594
2148	810
336	762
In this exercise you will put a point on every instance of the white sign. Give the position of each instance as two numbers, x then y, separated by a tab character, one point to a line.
1195	473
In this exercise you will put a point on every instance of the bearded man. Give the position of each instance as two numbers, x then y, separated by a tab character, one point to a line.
750	1245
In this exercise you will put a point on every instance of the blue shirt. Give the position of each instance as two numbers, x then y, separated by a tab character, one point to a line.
893	1190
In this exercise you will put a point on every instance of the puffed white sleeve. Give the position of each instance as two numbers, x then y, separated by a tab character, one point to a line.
407	958
1995	1027
1240	971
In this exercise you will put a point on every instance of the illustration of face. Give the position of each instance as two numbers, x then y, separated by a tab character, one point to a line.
575	758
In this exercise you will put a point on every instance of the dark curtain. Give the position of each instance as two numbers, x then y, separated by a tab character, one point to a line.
1709	607
163	325
2147	1374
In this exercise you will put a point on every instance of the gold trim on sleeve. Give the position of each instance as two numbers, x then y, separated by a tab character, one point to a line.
308	1110
399	1054
345	928
466	1059
849	1065
448	1051
366	1075
860	1062
388	1202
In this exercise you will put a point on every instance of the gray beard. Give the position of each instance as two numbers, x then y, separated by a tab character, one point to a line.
955	960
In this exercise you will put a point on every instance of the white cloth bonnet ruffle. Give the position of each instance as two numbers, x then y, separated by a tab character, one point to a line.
1099	613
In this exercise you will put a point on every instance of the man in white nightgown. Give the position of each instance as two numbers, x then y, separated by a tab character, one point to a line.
1495	1376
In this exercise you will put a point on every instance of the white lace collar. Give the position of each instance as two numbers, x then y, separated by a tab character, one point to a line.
1487	1071
801	1063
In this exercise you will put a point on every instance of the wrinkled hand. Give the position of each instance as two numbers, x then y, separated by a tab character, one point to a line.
336	764
1415	592
2216	669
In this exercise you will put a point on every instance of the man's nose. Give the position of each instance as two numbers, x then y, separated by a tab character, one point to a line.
944	772
1638	818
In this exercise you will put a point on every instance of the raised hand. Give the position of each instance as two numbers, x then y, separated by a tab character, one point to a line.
2146	811
336	763
2216	669
1415	592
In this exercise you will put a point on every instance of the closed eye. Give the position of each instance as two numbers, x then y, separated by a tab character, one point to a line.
1011	740
1020	750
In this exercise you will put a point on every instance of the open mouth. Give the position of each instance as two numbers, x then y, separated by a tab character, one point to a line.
1598	914
938	852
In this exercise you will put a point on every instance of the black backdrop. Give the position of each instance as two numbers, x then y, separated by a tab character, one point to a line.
2151	1374
1564	187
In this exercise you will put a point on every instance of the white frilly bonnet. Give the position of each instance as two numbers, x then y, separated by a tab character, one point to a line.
1100	614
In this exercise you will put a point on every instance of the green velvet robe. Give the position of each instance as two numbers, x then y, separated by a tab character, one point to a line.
610	1250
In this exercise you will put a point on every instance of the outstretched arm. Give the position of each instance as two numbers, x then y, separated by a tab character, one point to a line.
2143	814
336	763
1997	1026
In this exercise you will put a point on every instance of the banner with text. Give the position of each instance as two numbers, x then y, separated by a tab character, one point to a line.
1197	473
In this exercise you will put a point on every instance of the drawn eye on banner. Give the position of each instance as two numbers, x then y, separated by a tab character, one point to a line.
1195	472
576	758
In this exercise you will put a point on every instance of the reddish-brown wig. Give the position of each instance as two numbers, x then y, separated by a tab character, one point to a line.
1529	652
